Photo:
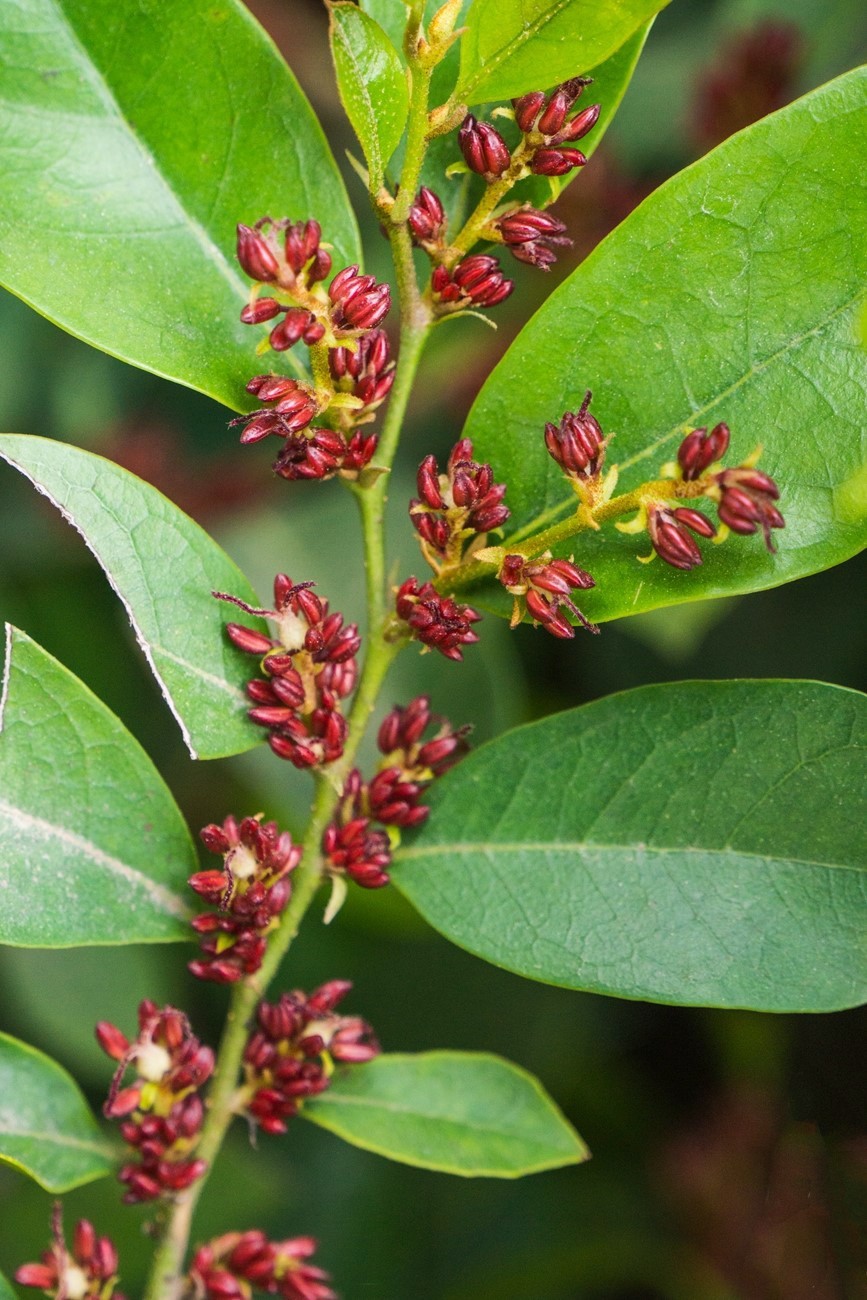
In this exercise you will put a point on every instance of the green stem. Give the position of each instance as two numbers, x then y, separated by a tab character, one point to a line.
165	1282
474	226
416	137
579	522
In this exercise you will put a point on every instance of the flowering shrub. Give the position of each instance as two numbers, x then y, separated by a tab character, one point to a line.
676	843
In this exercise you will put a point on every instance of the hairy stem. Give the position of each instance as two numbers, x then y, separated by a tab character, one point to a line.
474	226
578	522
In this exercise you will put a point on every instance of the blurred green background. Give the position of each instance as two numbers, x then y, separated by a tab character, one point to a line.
730	1149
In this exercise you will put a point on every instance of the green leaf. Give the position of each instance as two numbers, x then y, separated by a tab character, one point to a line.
164	567
93	848
464	1113
392	16
46	1128
610	82
461	193
6	1292
135	137
514	46
372	84
731	294
698	843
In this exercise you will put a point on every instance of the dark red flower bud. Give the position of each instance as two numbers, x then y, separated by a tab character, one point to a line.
545	585
529	236
255	255
746	502
427	218
556	162
670	537
114	1043
261	310
700	449
477	280
359	302
301	243
247	638
577	444
296	324
436	620
579	125
527	109
484	149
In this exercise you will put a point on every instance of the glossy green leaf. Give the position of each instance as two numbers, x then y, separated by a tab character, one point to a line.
461	192
731	294
134	138
46	1128
700	843
6	1292
392	16
464	1113
93	848
164	567
372	84
514	46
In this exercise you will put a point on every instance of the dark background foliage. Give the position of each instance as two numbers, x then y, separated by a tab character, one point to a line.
730	1148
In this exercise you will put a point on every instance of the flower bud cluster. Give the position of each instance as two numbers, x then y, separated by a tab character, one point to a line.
308	667
451	508
352	845
577	443
289	258
235	1265
545	585
367	373
427	220
485	151
291	1053
745	498
531	236
161	1110
87	1272
476	281
549	132
249	893
438	621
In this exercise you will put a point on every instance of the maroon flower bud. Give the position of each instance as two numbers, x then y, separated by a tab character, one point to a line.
746	502
452	505
484	149
530	235
477	280
577	444
317	455
670	534
296	324
700	449
301	244
89	1271
255	255
359	851
261	310
427	218
546	585
435	620
527	109
556	162
358	301
579	125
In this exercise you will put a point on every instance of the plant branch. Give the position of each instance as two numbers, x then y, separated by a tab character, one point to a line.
580	521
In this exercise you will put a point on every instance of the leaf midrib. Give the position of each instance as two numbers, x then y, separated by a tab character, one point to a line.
160	895
57	1139
493	62
435	1117
493	847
